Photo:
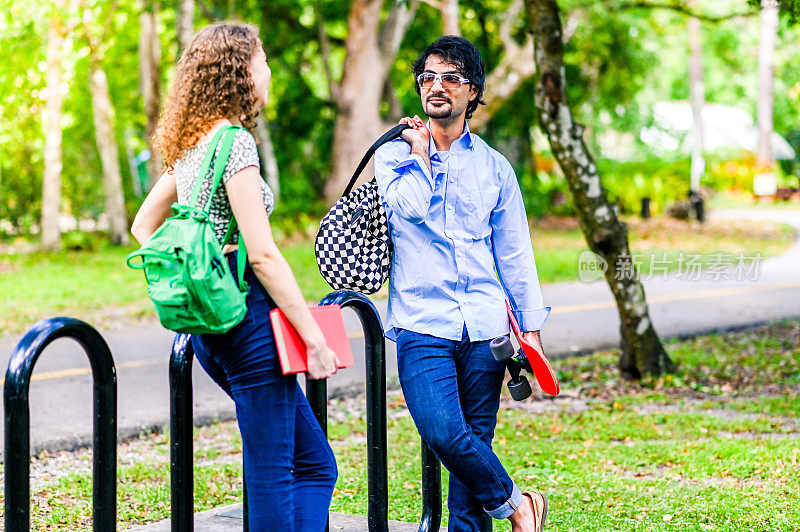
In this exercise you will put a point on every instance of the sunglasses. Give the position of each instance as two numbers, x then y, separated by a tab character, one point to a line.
448	81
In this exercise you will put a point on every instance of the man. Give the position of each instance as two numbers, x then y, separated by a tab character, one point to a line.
457	222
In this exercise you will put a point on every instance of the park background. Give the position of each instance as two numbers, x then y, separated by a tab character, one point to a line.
84	80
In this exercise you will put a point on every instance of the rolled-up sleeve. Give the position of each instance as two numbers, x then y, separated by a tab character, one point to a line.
404	180
513	254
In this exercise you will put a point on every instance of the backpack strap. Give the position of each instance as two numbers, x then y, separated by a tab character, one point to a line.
142	253
241	255
220	163
386	137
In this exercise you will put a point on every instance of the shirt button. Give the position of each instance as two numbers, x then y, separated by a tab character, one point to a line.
450	206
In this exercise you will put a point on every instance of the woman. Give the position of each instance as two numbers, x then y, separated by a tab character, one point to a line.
223	78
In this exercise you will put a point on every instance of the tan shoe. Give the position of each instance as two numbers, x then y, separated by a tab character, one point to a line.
539	518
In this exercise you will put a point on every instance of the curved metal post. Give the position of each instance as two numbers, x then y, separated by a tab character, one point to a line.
431	491
375	348
180	434
17	421
317	395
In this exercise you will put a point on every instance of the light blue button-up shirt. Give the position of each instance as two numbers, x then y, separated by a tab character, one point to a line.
461	242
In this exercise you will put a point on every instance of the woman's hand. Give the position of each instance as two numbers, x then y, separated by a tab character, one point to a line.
321	362
272	270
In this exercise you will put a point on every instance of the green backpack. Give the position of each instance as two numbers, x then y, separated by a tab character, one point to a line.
187	275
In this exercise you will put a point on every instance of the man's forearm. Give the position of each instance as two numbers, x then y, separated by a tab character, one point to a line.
421	149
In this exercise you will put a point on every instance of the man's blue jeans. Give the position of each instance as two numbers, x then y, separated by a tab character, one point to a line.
452	389
289	467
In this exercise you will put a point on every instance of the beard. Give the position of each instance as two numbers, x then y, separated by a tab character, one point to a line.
440	109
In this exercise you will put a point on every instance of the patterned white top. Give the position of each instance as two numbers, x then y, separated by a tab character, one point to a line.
243	154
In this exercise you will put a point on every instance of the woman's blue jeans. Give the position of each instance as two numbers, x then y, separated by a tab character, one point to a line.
452	389
289	466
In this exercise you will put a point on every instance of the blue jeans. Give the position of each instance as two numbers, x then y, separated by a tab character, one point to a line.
288	464
452	389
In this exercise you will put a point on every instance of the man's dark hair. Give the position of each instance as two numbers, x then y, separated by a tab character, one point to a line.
464	56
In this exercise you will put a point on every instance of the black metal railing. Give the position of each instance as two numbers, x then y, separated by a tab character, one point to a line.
316	392
431	490
17	421
377	440
180	435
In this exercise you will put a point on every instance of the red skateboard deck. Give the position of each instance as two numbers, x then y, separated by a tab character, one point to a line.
542	369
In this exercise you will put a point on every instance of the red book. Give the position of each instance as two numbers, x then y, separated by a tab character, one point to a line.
292	349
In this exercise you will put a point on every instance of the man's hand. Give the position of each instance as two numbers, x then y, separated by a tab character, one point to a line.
417	134
418	137
534	339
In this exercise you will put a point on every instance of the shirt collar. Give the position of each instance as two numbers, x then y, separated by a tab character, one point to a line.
465	139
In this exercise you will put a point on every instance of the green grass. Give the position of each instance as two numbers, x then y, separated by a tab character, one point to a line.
98	287
714	446
658	245
617	469
90	285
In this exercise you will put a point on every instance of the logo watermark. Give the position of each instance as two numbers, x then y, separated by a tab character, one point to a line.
682	266
591	267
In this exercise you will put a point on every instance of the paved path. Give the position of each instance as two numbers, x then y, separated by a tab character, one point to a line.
584	318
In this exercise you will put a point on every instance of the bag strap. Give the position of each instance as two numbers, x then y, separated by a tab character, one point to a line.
219	164
142	253
219	169
241	255
386	137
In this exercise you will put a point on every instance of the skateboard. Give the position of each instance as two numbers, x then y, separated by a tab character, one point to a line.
527	358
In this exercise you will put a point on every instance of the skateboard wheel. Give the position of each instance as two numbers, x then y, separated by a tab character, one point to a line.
520	389
501	348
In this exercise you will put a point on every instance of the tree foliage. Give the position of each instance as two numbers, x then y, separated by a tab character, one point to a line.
622	56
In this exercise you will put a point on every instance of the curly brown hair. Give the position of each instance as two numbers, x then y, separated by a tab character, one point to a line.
212	81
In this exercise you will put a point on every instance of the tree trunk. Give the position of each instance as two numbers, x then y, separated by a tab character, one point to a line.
766	76
184	22
109	154
359	122
370	50
51	180
697	97
449	10
515	67
150	69
605	234
266	154
395	112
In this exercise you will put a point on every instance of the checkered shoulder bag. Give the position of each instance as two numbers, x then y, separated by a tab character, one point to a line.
353	247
